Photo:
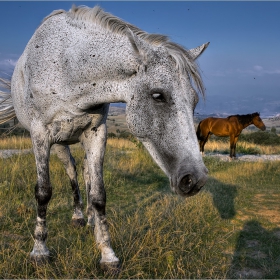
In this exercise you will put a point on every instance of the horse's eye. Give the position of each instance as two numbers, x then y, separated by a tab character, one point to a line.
157	96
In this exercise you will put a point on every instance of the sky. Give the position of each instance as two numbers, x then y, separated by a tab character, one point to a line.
240	68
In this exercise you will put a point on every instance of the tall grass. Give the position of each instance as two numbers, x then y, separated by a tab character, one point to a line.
212	146
242	147
229	230
15	142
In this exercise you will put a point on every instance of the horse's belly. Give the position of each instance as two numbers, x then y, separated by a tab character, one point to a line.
221	130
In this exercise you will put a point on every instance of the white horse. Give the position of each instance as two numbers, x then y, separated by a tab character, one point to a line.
73	67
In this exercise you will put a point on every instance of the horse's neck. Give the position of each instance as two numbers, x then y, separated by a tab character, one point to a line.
247	124
106	62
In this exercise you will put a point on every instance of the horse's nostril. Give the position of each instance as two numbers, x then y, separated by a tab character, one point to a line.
187	180
186	183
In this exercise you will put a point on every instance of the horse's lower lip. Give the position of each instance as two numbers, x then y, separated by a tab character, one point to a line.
193	191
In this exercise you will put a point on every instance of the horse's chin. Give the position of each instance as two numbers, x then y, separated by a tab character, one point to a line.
188	194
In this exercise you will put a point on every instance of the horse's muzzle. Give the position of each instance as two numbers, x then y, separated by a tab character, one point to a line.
188	185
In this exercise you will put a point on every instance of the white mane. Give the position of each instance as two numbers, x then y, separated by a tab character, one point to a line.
181	56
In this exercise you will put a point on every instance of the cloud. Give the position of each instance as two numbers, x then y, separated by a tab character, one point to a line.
259	71
256	70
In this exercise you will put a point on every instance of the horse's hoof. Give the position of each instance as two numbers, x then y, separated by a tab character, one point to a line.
40	260
78	222
113	268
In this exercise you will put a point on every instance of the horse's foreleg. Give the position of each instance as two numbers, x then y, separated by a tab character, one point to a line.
94	143
232	146
43	190
90	209
63	153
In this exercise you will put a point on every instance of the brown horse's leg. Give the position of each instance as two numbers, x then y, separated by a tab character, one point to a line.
233	141
234	146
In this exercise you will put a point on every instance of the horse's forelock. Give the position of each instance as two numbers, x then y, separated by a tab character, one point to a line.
184	62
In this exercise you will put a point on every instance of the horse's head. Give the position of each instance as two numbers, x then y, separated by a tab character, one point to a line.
160	110
257	121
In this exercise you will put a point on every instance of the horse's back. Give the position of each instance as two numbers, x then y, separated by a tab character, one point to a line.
216	126
37	71
52	75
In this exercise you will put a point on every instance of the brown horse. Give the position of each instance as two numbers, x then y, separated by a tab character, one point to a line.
230	126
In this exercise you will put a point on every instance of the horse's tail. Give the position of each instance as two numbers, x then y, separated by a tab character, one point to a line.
7	111
198	132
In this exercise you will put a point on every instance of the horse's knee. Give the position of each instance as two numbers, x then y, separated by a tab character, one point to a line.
43	193
99	205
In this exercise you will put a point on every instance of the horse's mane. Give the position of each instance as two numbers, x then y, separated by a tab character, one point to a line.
183	59
244	119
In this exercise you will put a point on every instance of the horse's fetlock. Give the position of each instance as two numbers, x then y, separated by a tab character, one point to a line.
41	235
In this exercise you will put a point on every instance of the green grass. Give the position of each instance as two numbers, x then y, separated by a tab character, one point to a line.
230	229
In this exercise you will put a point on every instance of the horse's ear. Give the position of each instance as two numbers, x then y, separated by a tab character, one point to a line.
196	52
137	45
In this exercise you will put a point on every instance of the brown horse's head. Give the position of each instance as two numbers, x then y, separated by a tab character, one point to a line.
257	121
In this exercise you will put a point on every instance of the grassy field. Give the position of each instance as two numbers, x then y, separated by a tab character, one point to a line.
219	145
231	229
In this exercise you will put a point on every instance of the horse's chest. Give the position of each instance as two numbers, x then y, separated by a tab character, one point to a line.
69	129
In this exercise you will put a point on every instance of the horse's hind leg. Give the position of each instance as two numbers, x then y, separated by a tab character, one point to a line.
43	190
63	153
94	143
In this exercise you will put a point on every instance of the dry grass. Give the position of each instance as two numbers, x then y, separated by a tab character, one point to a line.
15	142
121	144
242	147
228	230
